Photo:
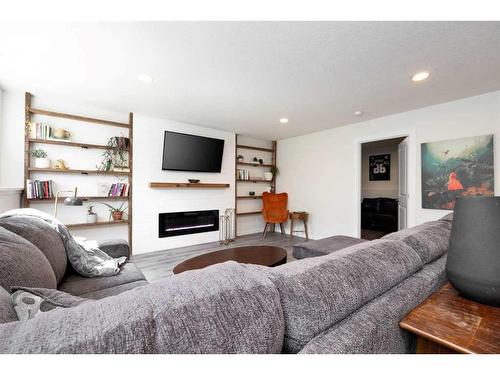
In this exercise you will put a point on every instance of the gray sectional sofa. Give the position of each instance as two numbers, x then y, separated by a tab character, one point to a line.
349	301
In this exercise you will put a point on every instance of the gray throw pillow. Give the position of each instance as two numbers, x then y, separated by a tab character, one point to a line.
28	302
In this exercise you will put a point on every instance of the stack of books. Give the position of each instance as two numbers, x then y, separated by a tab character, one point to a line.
242	174
118	190
37	130
37	189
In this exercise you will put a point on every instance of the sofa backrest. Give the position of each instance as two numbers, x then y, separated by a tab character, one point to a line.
225	308
430	240
43	236
318	292
23	264
7	312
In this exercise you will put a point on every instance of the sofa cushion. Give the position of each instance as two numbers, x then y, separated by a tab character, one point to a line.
374	328
22	263
7	312
318	292
324	246
43	236
224	308
114	290
430	240
77	285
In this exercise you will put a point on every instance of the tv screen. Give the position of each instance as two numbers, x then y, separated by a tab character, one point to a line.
186	152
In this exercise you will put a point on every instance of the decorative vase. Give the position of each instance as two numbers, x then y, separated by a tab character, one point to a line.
473	262
117	215
268	176
42	163
92	219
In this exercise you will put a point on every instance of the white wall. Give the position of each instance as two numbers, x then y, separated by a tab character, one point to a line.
148	146
321	171
375	189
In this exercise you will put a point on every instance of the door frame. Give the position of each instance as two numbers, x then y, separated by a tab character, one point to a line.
411	170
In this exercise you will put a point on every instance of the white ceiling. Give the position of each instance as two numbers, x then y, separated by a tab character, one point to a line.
244	76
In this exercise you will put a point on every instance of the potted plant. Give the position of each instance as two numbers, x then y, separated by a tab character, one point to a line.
40	157
91	215
116	154
116	213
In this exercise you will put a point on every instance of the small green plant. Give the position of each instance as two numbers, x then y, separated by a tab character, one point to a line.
115	212
274	170
39	154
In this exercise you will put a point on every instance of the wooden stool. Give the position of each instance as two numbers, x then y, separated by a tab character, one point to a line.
299	216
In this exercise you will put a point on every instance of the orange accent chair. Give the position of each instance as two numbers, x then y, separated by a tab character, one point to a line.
274	210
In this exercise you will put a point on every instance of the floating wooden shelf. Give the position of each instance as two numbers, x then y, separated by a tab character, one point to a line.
255	148
248	213
182	185
35	111
70	144
250	197
255	181
78	171
89	198
254	164
99	223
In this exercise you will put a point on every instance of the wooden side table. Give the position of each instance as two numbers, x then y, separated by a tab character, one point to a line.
447	323
299	216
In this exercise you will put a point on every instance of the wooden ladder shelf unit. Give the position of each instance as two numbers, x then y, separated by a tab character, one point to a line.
28	170
271	183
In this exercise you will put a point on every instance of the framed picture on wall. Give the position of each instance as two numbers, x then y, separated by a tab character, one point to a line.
380	167
454	168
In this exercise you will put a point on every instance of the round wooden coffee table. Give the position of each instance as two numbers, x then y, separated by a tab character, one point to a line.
270	256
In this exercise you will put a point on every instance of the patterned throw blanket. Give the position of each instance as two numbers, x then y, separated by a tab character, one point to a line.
85	257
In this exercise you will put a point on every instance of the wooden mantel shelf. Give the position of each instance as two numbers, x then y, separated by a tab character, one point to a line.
183	185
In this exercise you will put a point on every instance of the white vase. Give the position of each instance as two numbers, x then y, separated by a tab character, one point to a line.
42	163
268	176
91	219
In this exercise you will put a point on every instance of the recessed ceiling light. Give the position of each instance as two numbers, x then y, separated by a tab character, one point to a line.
283	120
420	76
358	113
144	78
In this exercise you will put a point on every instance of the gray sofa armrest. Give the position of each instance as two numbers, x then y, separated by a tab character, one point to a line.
115	247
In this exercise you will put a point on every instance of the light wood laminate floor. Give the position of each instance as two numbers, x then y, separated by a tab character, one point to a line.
158	265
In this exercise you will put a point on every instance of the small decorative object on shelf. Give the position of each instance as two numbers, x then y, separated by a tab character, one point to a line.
226	235
193	181
40	157
60	164
116	213
251	193
91	215
240	158
261	161
268	176
255	160
61	134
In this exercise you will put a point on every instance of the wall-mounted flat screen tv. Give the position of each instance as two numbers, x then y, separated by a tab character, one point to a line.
187	152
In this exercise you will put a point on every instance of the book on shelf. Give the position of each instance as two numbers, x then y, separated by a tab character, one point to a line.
37	189
242	174
119	189
38	130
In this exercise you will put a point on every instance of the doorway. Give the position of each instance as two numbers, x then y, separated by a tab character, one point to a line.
383	187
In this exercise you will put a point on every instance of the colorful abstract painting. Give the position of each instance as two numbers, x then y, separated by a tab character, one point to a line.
457	168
